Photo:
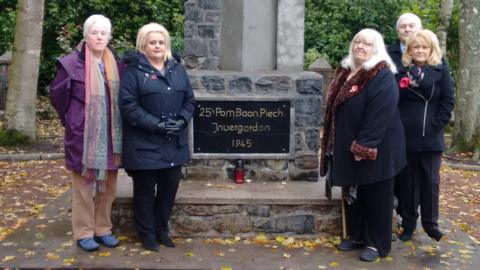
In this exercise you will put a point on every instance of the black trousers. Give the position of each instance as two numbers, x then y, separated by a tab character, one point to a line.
369	217
418	185
154	194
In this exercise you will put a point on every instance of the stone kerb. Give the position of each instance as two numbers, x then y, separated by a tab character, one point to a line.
304	89
214	208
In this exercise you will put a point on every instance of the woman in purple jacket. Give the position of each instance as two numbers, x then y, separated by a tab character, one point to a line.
84	93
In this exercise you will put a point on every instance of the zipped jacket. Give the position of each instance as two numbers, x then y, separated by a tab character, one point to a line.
426	110
146	98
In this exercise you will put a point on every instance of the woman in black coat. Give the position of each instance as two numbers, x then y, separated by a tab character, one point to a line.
426	105
363	146
156	103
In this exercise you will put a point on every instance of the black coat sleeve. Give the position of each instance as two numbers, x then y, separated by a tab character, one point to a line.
446	102
382	102
130	108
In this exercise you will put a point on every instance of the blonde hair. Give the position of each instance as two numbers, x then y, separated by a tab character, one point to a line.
150	28
423	37
99	20
379	51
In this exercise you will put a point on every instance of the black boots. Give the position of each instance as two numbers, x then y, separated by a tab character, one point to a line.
435	234
406	234
163	239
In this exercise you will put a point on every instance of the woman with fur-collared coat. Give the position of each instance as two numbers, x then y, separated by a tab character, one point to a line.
363	145
426	105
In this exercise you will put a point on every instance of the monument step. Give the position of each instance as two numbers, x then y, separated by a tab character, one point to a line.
223	208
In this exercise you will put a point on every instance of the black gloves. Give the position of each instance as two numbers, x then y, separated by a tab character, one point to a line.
177	124
170	127
161	127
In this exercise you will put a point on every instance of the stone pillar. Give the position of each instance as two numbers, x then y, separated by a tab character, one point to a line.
291	24
202	33
322	67
248	35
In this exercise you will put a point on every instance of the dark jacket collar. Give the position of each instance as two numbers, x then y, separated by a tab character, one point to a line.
395	47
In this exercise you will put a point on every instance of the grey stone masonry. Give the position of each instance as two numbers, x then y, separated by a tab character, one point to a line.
290	28
223	209
202	33
248	35
304	89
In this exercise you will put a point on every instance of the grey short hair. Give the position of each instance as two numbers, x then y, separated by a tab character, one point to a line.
411	16
379	51
97	19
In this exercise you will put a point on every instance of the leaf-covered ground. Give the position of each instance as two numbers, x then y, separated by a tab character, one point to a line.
26	187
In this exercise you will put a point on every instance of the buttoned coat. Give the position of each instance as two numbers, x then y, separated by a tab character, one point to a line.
367	123
146	98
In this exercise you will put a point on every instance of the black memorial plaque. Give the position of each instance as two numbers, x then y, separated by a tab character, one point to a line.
241	127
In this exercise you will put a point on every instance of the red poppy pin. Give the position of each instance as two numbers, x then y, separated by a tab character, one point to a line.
354	88
404	82
153	77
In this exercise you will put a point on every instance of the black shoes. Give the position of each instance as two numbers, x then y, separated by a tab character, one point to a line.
165	240
149	243
349	245
435	234
406	234
369	254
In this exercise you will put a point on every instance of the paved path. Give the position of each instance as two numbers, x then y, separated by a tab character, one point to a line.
46	243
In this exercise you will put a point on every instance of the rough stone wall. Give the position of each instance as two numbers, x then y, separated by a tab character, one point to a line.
305	90
202	33
201	55
224	220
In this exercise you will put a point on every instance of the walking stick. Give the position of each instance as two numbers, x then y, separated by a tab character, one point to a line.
344	220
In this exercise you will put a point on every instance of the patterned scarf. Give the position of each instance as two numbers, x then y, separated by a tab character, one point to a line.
95	141
416	75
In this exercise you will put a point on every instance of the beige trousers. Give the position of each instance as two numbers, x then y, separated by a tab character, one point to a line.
91	210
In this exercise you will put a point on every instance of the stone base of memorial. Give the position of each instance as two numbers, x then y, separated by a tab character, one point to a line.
271	120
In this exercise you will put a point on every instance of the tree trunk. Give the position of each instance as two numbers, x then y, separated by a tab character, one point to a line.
446	7
467	112
23	73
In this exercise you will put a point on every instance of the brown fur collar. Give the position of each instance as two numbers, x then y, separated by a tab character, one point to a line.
339	91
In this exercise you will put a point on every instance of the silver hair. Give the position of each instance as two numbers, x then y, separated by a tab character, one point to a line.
411	16
98	20
379	51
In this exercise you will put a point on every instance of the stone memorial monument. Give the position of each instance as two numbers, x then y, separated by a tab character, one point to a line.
246	57
255	107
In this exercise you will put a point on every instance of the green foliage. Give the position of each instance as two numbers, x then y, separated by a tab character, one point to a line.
331	24
7	24
453	48
10	137
63	26
427	10
310	56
